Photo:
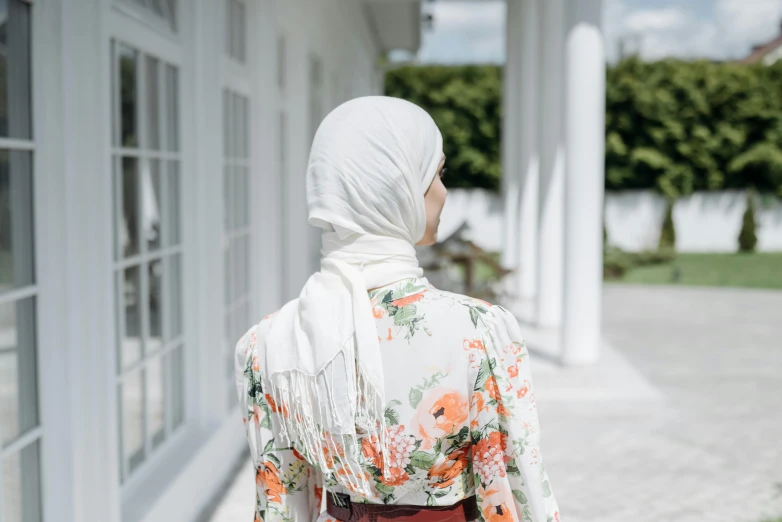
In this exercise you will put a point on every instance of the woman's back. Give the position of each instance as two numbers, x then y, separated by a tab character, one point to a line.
459	410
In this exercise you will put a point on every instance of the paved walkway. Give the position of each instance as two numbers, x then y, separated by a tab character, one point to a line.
680	421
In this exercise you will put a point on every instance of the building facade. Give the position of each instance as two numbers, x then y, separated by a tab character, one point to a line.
152	161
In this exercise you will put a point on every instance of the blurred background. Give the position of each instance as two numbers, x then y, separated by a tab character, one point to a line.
614	176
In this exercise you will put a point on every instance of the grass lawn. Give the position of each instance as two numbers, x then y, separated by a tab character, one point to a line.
761	270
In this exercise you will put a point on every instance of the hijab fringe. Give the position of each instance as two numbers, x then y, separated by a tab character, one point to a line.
301	415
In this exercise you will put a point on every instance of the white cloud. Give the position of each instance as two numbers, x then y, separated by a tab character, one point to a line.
474	32
465	32
676	30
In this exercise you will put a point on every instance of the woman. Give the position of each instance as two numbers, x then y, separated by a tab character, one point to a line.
399	400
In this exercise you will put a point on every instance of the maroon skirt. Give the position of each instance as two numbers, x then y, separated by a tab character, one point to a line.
340	507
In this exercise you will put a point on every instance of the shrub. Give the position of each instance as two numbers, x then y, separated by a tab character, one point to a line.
748	239
668	232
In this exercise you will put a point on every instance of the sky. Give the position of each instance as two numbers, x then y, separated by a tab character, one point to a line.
474	31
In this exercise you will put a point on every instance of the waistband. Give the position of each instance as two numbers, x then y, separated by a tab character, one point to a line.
340	506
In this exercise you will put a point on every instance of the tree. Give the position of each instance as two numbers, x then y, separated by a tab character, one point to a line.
668	231
748	239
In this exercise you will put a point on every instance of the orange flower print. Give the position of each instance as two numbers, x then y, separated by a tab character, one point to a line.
449	411
318	492
275	408
443	474
502	411
398	477
439	412
268	477
256	366
490	457
513	371
258	517
499	513
516	348
370	450
473	344
378	312
298	455
492	388
484	302
410	299
521	392
389	335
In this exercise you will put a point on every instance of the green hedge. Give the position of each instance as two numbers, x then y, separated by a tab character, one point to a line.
465	101
671	125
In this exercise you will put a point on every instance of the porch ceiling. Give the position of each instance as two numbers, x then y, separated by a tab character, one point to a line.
396	23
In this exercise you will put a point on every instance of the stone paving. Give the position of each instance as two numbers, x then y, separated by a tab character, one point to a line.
680	421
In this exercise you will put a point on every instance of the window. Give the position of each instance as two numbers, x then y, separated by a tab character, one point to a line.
163	10
148	253
237	231
235	32
20	430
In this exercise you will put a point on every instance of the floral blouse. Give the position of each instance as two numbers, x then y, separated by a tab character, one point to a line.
460	407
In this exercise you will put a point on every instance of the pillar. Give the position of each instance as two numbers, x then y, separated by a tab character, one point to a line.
584	179
510	138
527	245
552	164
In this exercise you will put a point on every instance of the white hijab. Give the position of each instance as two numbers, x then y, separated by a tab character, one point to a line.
371	162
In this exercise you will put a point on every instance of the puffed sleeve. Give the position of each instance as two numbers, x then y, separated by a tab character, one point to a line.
510	478
287	486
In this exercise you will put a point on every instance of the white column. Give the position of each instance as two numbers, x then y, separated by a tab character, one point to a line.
552	164
527	245
584	178
510	139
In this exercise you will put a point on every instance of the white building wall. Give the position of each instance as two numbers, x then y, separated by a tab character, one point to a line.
76	270
704	222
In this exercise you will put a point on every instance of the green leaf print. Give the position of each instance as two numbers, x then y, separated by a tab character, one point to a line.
415	397
404	314
383	489
546	489
520	497
422	459
392	417
483	373
269	446
512	468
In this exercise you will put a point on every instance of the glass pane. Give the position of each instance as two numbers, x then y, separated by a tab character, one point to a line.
227	268
153	104
246	127
156	398
16	219
174	300
229	18
132	411
226	123
157	6
128	99
176	372
151	198
18	376
244	198
21	485
155	339
169	6
130	292
172	108
227	198
171	209
129	230
15	92
240	32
